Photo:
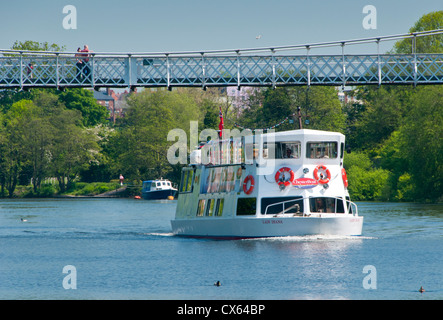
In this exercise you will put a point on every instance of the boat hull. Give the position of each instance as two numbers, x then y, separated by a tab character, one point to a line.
158	194
258	227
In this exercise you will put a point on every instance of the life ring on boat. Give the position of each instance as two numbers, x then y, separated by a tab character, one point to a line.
284	182
344	177
245	184
321	179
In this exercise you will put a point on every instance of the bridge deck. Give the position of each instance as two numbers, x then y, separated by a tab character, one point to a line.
247	67
109	71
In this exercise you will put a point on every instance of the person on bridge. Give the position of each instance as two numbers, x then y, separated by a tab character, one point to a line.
85	55
79	65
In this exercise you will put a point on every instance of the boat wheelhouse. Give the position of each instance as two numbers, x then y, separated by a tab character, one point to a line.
266	185
158	189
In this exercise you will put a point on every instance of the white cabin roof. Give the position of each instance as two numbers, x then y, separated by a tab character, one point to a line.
305	133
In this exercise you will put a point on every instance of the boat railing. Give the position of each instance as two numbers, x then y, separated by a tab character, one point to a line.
283	203
351	206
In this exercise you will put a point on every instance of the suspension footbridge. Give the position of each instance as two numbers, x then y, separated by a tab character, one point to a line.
272	66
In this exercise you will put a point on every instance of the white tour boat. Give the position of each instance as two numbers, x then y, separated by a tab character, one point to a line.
267	185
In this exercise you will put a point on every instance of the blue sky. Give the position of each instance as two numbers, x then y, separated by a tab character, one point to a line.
196	25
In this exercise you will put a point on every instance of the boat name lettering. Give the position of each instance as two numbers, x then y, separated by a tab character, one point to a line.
272	221
305	183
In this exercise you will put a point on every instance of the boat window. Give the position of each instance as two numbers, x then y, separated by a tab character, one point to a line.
328	205
283	150
282	205
186	182
321	150
250	152
209	207
246	206
348	203
219	207
201	207
221	179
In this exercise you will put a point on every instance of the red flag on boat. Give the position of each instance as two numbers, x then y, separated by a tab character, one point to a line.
220	125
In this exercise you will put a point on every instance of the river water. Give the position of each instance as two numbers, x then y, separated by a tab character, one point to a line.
124	249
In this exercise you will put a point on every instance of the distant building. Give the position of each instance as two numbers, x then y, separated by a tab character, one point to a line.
345	96
239	98
107	101
114	102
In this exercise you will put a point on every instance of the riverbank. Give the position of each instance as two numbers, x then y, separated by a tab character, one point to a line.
79	190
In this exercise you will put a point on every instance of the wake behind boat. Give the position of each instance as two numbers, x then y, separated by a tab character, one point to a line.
288	183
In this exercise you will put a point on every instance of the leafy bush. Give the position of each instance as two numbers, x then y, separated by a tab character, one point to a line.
366	182
92	189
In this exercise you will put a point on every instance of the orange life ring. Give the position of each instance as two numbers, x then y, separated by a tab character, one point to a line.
287	182
245	184
320	178
344	177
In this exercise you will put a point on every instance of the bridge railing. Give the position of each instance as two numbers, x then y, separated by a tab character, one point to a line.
247	67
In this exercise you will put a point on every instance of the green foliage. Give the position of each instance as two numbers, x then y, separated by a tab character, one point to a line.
357	159
366	182
37	46
41	139
320	105
92	189
431	44
405	188
423	142
83	101
139	148
400	129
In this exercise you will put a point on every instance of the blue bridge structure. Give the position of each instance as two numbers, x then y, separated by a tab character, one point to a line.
277	66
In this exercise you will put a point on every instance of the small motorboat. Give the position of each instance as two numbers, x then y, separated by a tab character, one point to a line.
159	189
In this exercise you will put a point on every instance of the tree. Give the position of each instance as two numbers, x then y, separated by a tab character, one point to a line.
37	140
365	181
268	107
323	109
277	105
423	142
140	147
83	101
30	45
428	44
399	128
13	147
3	143
383	113
72	149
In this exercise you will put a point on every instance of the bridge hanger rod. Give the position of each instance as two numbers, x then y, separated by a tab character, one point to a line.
237	51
